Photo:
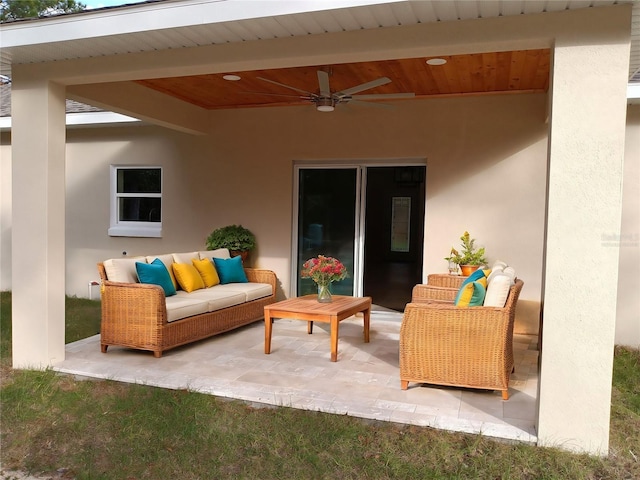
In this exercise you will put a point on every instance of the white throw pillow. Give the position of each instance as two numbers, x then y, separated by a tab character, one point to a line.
497	270
185	257
499	264
218	253
122	269
512	274
498	291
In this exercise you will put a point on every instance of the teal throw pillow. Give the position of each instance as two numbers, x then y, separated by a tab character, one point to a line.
230	270
157	274
470	295
477	275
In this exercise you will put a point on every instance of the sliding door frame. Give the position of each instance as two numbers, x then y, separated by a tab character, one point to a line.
360	165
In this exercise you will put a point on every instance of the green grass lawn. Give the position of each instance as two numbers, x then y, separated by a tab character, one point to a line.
110	430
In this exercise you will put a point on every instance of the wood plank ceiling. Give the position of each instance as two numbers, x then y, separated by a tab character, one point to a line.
486	73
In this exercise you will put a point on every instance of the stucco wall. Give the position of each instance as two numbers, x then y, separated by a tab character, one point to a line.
486	173
5	211
628	312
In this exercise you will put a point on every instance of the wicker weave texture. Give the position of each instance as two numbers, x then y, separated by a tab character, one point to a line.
134	315
465	347
445	280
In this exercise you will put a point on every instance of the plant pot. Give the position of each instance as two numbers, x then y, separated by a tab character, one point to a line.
243	255
468	269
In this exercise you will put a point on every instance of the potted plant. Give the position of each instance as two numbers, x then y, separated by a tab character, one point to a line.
470	258
239	240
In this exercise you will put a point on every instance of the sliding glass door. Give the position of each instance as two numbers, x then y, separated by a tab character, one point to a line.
371	218
327	222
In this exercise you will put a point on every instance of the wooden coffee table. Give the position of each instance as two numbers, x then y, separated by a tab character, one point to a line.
309	309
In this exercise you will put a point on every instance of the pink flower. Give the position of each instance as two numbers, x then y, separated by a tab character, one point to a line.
324	269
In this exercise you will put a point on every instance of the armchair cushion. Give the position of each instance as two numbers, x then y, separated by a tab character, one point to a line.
498	291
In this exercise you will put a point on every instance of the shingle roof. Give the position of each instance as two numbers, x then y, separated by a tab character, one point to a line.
72	106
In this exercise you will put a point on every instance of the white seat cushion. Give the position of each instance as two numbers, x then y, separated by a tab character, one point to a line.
179	306
216	298
251	291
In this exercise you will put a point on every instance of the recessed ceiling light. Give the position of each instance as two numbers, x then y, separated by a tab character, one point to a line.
436	61
232	78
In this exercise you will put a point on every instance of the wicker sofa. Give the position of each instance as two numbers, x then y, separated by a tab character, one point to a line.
443	344
140	316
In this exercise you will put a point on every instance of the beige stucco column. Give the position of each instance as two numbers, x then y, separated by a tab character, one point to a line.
586	149
38	230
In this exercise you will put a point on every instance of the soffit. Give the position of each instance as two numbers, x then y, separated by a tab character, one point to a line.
463	74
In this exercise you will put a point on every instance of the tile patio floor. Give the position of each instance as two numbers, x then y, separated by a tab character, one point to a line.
364	382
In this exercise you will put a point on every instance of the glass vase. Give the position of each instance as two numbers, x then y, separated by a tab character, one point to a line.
324	293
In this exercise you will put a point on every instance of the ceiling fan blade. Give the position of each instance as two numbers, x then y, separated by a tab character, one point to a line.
364	86
301	97
323	82
286	86
383	96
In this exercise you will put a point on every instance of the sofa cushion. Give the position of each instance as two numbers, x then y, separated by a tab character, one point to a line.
188	277
250	290
167	259
498	291
218	253
470	295
230	270
182	307
156	273
184	257
207	271
122	269
216	299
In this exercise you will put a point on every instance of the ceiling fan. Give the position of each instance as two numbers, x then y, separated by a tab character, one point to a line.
326	100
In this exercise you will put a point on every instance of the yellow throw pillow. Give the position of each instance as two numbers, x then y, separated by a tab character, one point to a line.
188	277
207	271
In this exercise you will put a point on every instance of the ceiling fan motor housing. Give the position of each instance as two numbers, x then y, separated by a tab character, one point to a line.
325	104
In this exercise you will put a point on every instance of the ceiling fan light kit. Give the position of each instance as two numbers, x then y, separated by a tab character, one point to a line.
325	105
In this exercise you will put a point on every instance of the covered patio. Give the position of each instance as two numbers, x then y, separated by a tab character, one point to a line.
363	383
538	174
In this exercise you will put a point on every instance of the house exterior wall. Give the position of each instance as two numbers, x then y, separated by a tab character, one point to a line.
486	170
628	305
483	176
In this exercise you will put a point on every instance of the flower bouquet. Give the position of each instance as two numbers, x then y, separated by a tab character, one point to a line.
324	270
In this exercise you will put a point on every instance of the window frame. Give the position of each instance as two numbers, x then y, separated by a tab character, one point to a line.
123	228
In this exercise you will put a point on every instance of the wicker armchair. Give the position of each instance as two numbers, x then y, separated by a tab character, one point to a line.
469	347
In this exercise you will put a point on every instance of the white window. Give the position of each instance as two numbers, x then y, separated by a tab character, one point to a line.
136	201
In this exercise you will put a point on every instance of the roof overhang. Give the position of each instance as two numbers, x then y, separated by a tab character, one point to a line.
179	24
